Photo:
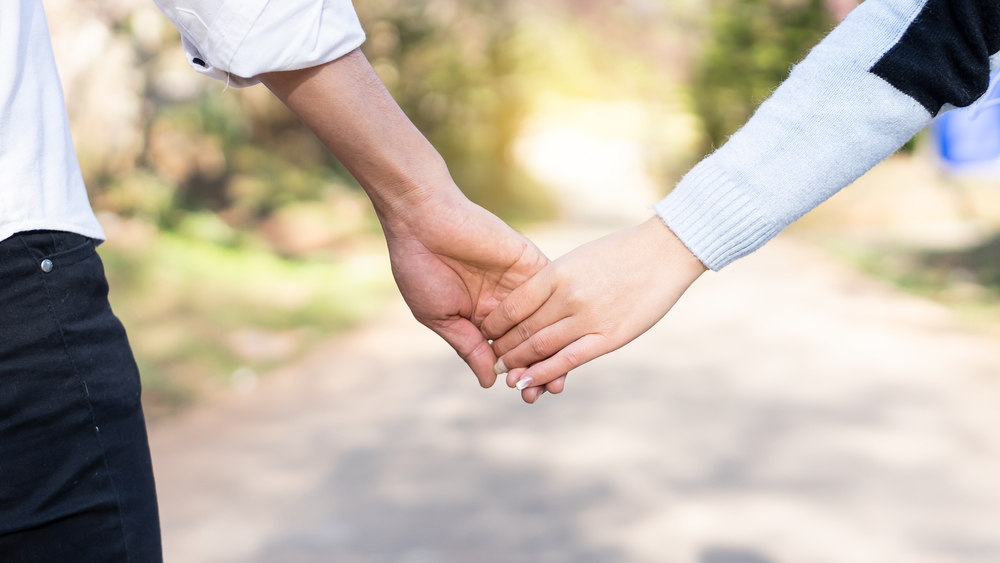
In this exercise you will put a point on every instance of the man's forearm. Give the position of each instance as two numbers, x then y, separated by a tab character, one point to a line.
348	108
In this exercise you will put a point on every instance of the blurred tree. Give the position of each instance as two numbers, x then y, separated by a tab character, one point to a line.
454	69
160	142
752	45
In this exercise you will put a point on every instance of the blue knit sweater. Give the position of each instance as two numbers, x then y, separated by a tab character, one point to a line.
873	83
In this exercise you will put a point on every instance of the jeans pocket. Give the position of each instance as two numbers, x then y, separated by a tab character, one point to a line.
52	249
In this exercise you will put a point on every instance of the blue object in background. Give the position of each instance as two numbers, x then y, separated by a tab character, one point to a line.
968	139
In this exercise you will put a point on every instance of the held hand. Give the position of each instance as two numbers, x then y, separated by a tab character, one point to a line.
454	262
590	302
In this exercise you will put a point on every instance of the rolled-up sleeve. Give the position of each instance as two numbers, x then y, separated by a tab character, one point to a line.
236	40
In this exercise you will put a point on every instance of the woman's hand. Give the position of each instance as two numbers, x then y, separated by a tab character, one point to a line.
595	299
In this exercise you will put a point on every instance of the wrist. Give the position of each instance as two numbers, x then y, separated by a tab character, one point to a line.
402	190
412	204
349	109
673	253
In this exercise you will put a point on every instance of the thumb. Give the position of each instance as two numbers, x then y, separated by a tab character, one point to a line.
468	341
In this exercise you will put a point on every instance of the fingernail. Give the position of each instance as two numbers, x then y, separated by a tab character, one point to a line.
524	383
499	368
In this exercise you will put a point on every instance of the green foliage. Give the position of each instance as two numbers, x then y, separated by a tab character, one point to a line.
752	47
452	66
979	264
239	154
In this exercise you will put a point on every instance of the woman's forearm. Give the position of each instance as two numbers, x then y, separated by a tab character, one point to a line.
873	83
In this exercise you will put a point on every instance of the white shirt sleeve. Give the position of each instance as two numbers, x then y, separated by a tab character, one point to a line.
234	41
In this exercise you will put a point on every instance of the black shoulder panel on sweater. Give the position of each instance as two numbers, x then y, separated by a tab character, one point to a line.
944	56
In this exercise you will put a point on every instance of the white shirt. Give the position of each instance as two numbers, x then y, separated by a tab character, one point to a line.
231	40
236	40
40	182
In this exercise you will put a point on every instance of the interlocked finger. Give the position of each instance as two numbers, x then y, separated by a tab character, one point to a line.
518	306
541	345
569	357
542	318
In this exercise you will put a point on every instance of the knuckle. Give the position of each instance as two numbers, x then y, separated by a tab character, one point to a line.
510	309
522	331
575	297
573	358
539	346
608	334
481	349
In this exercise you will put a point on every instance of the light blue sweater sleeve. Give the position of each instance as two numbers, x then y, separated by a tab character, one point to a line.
863	92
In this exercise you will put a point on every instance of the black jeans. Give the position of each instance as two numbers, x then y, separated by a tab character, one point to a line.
76	481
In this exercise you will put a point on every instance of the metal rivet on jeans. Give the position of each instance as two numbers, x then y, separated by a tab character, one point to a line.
46	265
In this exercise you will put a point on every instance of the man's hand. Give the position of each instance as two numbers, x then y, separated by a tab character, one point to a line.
454	262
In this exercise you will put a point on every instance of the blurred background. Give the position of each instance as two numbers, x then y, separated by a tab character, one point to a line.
238	245
214	197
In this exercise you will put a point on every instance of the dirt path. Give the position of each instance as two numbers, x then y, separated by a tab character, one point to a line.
788	411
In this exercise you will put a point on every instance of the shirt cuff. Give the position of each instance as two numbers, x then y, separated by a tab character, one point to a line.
297	34
199	62
712	216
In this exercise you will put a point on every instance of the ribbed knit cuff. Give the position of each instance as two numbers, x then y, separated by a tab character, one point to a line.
713	217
